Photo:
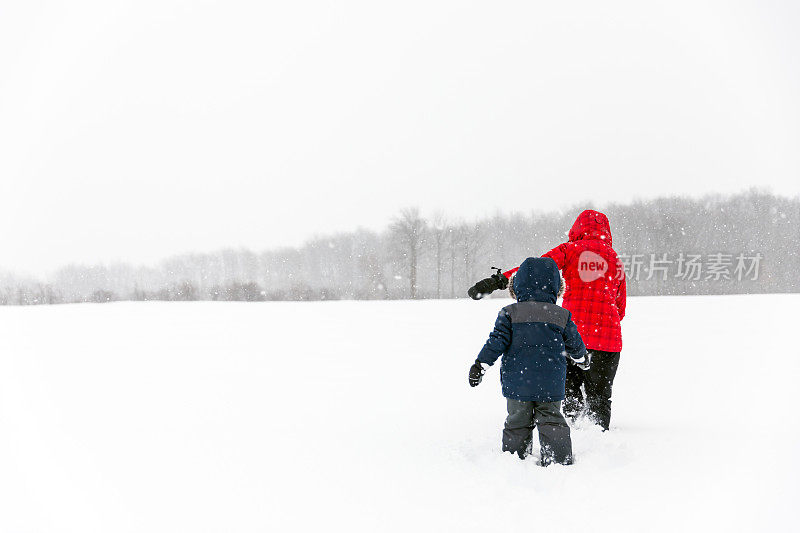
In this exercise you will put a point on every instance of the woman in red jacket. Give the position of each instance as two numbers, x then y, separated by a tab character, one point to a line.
595	296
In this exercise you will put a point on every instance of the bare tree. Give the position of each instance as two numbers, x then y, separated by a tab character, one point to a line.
453	236
408	232
439	233
472	239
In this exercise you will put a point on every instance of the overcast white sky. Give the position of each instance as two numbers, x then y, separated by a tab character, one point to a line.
133	130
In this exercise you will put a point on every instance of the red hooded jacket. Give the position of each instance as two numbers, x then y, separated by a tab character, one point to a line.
595	279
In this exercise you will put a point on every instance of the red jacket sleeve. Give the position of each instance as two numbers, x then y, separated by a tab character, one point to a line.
559	255
622	297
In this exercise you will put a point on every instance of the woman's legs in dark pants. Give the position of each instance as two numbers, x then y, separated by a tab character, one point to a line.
598	381
573	397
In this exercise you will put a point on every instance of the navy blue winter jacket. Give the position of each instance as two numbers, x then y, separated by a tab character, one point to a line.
534	336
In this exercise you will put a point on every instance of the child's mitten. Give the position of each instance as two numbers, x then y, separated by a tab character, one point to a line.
584	362
475	374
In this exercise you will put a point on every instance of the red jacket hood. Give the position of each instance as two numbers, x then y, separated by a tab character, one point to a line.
591	225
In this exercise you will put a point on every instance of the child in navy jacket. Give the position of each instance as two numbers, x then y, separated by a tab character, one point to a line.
535	337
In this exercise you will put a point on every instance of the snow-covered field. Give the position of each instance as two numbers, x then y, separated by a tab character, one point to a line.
357	416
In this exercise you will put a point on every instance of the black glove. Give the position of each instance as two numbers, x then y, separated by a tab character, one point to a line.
475	374
488	285
585	362
502	281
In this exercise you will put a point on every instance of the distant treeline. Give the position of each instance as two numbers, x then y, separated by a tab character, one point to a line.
746	243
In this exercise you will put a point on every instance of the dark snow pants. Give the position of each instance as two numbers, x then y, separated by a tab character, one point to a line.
554	438
597	381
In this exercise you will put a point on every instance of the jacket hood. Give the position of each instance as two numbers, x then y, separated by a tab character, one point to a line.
591	225
537	280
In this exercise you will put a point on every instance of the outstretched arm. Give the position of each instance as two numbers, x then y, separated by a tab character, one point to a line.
559	255
509	273
499	340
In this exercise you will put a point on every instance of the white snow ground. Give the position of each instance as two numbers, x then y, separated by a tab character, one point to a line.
357	416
